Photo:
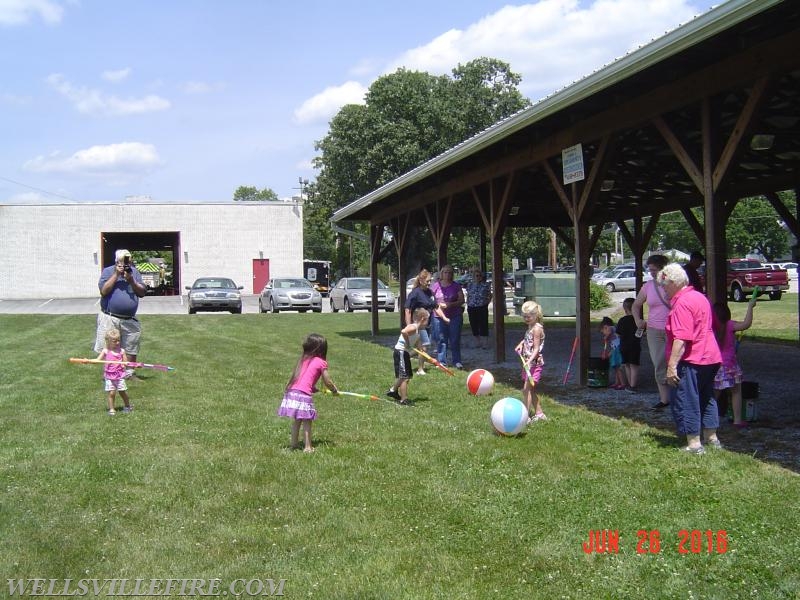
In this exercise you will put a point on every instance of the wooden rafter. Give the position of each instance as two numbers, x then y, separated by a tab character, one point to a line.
740	130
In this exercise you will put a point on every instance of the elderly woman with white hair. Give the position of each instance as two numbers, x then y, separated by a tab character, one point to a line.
693	358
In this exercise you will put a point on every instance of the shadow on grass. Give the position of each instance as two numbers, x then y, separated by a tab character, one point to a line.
664	440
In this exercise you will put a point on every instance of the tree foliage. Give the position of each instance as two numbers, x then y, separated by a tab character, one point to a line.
408	118
246	193
753	228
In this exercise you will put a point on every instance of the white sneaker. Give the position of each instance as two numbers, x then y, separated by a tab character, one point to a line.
459	365
421	372
540	417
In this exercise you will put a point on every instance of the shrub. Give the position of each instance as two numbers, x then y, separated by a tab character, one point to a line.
598	297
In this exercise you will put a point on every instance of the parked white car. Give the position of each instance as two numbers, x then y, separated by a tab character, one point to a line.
355	293
791	267
610	270
621	281
289	293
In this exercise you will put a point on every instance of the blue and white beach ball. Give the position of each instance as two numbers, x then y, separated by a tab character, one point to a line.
509	416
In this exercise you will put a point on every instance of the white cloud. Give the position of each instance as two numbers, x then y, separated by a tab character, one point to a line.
126	158
307	164
325	104
20	12
201	87
117	76
364	67
551	43
95	102
14	99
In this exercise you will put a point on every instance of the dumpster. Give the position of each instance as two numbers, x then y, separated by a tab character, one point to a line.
554	292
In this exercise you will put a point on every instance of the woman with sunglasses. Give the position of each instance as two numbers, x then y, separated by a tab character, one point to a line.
421	296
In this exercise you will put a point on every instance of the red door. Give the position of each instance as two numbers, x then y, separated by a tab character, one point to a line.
260	274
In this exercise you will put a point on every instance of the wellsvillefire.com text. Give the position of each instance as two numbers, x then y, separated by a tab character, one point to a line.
144	587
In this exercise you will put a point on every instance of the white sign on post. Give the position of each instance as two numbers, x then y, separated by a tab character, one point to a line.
572	164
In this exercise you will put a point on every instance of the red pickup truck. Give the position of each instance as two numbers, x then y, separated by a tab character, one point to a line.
744	274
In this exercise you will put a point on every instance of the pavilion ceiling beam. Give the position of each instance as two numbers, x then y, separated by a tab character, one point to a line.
493	208
597	231
591	188
694	224
495	215
650	230
565	237
680	152
400	229
744	124
440	222
559	189
783	213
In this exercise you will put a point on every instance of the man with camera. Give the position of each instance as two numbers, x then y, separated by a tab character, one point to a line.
121	286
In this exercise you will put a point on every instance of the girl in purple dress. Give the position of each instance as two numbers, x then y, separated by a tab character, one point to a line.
298	403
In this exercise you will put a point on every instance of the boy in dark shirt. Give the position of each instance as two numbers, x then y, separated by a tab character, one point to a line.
630	346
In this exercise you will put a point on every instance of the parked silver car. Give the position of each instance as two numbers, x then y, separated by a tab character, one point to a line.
214	293
289	293
621	280
355	293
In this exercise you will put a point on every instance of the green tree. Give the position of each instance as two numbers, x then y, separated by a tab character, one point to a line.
754	227
673	233
408	117
246	193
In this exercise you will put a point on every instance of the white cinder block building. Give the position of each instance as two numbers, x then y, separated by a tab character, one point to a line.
58	250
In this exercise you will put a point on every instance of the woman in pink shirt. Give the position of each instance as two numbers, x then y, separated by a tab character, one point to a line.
693	359
657	310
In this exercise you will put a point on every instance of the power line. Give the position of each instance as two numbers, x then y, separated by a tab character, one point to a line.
30	187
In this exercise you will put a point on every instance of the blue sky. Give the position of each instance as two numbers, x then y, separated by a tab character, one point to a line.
186	100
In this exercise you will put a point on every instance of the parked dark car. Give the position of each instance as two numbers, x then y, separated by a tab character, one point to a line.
214	294
289	293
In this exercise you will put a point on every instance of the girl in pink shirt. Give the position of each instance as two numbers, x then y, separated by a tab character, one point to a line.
114	371
298	403
729	376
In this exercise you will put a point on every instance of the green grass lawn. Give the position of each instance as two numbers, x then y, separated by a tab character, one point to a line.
420	502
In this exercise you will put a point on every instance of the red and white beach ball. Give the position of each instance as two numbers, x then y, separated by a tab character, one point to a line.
480	382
